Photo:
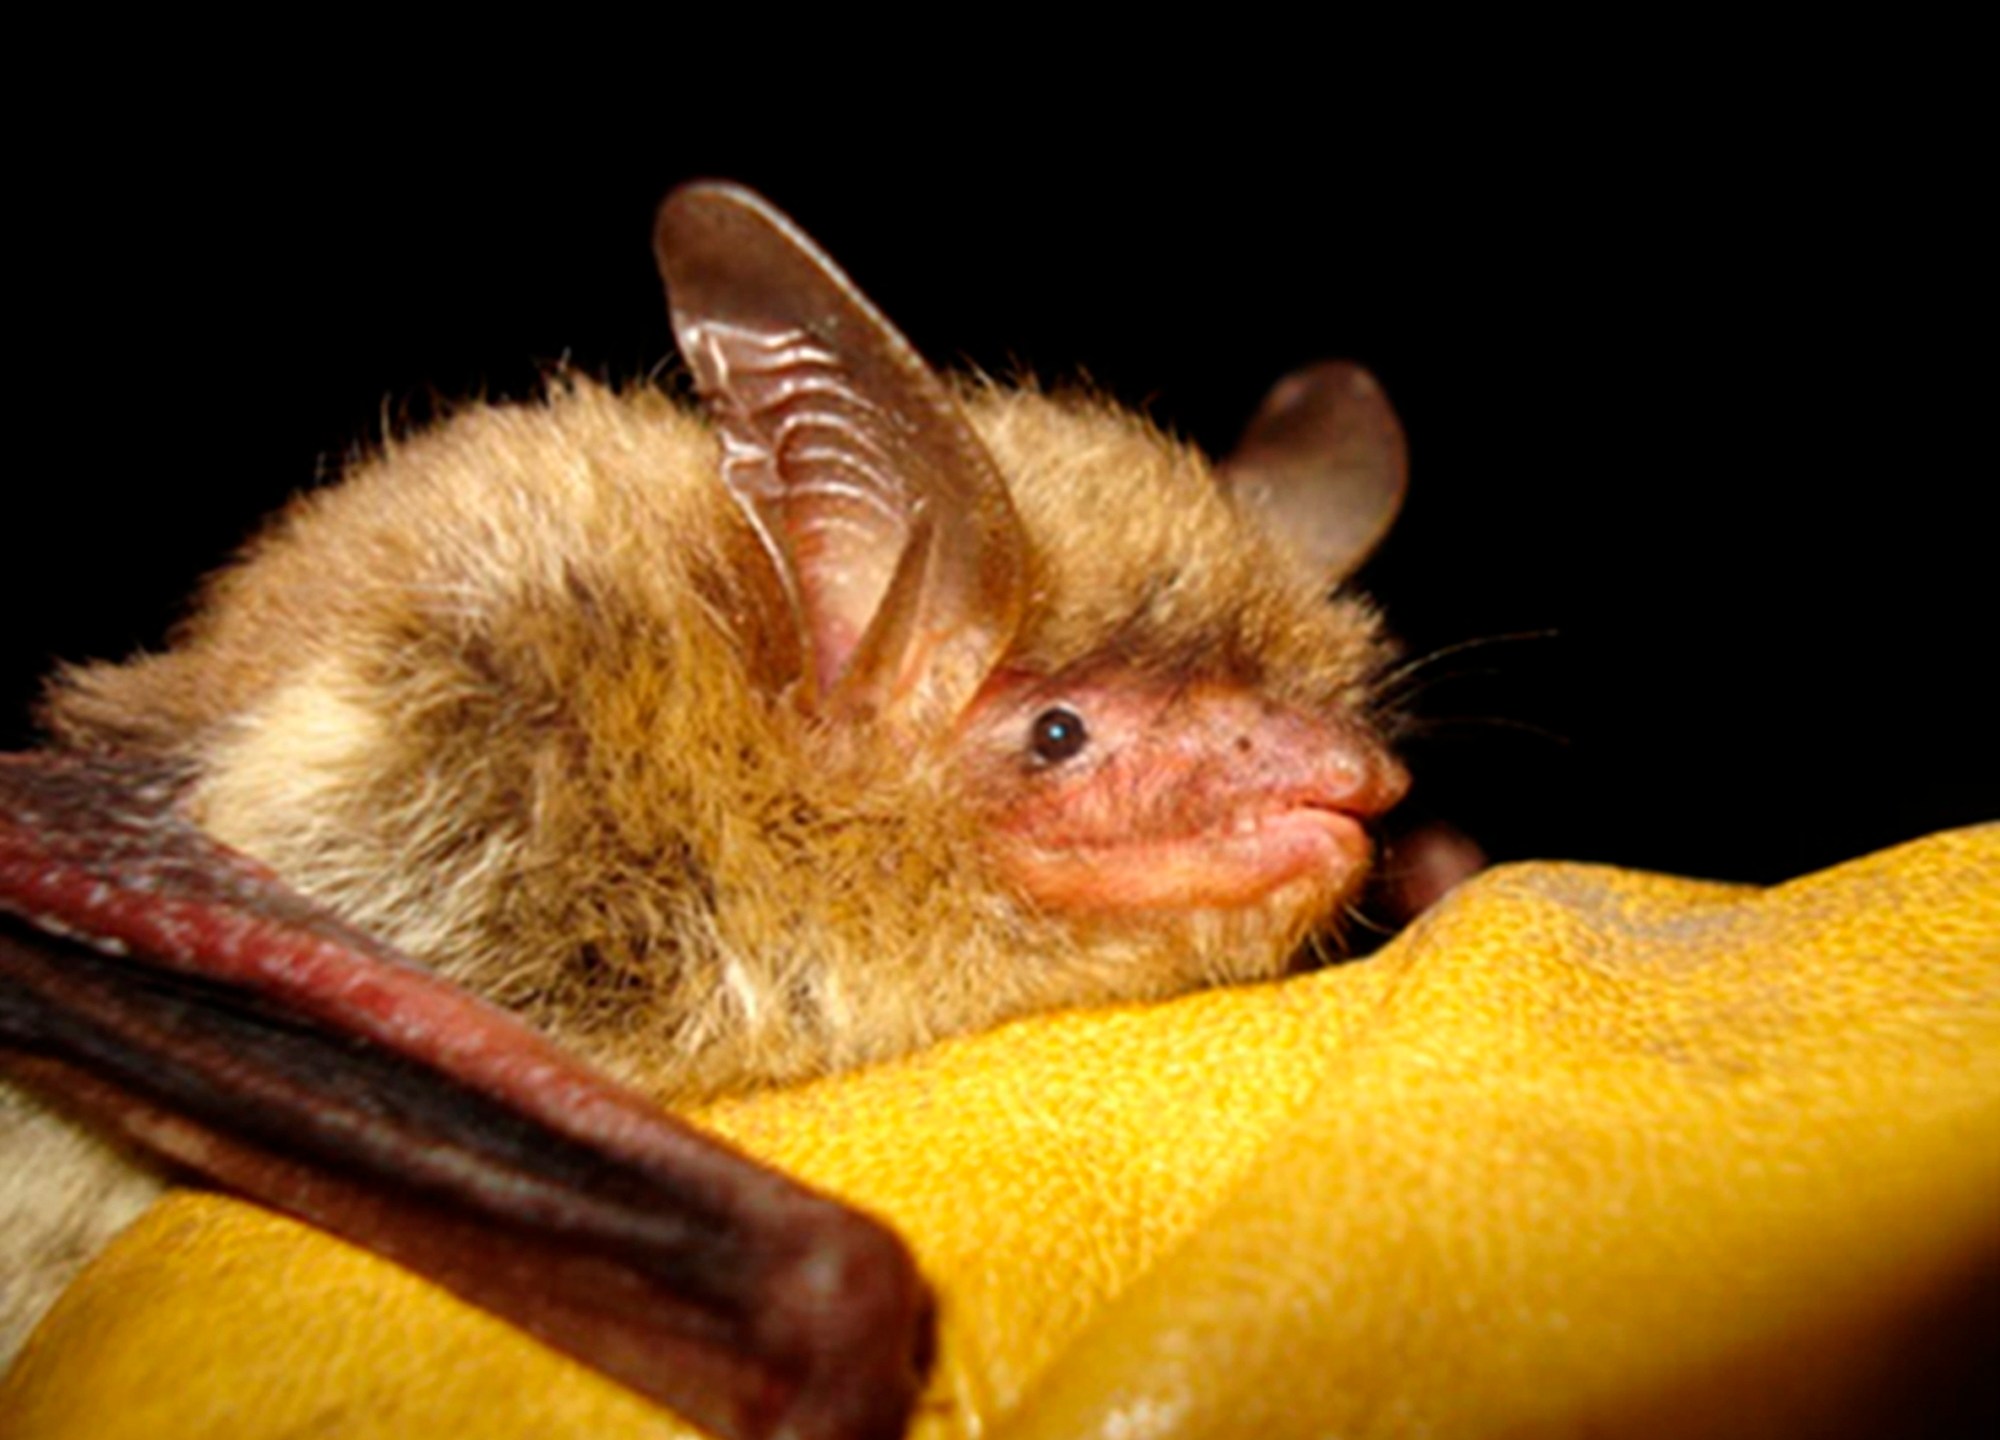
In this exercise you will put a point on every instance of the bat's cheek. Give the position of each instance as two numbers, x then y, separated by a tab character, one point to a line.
1242	865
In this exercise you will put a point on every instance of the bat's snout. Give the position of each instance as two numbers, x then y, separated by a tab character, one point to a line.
1368	781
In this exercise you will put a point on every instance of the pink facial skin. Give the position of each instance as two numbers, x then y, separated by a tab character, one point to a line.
1117	793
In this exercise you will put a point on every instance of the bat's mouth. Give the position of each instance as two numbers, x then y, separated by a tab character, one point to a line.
1241	861
1206	798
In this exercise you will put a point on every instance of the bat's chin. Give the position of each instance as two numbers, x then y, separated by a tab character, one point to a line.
1320	850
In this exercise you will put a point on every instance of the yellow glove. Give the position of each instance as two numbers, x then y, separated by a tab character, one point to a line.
1584	1152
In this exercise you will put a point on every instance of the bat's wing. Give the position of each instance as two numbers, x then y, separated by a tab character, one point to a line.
179	994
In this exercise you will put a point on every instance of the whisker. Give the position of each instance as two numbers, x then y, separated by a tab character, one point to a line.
1416	685
1353	915
1398	673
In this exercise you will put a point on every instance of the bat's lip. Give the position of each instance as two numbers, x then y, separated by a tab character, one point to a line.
1232	865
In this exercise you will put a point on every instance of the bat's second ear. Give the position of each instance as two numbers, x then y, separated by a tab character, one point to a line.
1323	465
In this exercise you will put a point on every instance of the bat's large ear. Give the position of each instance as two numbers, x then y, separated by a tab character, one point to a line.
1323	466
888	521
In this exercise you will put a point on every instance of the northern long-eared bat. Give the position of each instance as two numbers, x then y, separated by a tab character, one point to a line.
864	708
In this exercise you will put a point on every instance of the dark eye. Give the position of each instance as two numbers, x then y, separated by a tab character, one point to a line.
1057	735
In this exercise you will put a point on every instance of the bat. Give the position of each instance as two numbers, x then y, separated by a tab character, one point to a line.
863	709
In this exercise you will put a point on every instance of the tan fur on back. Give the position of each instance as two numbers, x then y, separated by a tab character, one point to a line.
63	1195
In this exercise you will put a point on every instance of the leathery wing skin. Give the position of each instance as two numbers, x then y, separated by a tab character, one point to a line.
1585	1151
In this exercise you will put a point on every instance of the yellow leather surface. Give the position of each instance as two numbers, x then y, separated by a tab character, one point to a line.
1585	1151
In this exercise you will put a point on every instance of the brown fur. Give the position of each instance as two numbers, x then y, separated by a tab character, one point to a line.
509	697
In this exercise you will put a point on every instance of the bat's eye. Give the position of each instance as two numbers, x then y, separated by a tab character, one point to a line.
1057	735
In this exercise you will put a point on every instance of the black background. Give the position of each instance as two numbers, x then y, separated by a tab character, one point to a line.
1683	387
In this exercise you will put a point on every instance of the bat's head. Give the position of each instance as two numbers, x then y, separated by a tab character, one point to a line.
1183	723
1110	684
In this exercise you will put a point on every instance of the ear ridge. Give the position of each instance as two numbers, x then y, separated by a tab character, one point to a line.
888	522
